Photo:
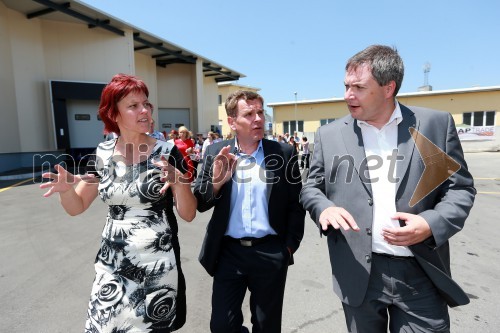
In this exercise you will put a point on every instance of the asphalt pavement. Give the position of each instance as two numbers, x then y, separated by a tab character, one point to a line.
46	264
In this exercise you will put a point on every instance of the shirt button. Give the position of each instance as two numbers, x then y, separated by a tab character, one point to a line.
370	201
368	258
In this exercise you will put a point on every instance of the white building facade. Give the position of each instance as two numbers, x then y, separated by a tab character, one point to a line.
56	58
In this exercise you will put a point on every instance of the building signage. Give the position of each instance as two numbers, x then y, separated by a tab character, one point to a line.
475	133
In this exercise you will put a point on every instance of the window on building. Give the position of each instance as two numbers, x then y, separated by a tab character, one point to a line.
479	118
490	118
286	127
326	121
467	118
292	126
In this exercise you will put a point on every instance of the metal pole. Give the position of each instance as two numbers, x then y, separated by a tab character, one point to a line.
296	122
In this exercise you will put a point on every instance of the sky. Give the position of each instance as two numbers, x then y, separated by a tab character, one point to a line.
301	46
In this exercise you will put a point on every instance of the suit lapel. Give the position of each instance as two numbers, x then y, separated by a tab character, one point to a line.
351	133
229	184
270	160
232	143
406	145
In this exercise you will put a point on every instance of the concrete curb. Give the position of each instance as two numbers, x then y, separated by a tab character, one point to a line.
21	176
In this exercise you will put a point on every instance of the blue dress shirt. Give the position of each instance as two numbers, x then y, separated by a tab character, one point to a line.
248	215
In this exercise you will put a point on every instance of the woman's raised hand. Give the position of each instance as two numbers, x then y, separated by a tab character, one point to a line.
170	174
62	181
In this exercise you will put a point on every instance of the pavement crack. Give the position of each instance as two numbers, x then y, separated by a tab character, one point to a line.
313	321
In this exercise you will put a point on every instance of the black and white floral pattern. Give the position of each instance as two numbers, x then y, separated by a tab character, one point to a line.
139	285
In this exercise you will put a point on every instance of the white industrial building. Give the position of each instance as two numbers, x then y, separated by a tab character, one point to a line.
55	58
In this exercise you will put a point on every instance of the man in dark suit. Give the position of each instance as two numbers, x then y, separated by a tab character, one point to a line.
389	186
257	222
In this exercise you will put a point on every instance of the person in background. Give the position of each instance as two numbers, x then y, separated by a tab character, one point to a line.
137	268
191	136
257	222
217	137
195	155
376	189
172	136
294	144
199	139
296	137
154	133
304	163
208	141
185	144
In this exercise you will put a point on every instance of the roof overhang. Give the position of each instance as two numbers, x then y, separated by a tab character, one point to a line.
163	51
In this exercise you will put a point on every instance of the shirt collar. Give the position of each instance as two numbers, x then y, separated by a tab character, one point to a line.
238	151
396	115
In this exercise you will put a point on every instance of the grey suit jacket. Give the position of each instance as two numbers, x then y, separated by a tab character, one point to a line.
338	177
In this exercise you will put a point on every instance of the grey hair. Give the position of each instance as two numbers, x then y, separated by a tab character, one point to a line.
384	62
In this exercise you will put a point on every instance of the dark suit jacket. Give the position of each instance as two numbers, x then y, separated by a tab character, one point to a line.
286	215
337	178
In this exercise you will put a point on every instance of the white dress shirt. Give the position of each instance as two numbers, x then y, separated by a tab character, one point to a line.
379	146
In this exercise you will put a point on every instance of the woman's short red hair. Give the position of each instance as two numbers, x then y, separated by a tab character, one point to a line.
120	86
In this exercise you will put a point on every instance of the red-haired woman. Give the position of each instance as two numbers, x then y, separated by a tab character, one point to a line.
139	285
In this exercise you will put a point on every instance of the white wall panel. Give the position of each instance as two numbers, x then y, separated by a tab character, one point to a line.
29	80
9	126
175	86
74	52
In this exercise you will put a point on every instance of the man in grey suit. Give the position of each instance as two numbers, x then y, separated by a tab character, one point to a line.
389	185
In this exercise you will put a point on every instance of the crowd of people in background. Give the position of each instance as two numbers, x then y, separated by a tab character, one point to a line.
200	143
301	146
193	147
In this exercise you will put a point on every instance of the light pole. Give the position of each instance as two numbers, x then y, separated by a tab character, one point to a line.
296	122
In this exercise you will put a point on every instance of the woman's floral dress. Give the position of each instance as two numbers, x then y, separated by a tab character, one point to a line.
139	285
